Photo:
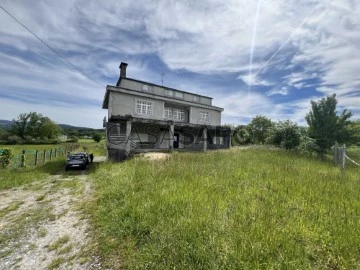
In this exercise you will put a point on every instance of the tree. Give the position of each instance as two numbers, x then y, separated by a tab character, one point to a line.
48	129
354	130
259	128
19	126
285	134
97	137
34	125
326	126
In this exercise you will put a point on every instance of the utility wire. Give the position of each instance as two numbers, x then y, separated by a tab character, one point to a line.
51	48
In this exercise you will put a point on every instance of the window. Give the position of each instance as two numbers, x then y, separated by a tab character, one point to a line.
196	98
169	93
204	117
168	113
179	115
143	107
146	87
179	95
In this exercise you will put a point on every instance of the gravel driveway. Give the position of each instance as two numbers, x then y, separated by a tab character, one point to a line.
43	226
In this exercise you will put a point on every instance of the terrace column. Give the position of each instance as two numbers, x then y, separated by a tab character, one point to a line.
205	138
171	135
128	137
229	139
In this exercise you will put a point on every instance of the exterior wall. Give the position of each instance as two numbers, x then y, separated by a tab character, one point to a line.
110	106
214	116
202	100
205	100
175	106
192	138
129	84
124	104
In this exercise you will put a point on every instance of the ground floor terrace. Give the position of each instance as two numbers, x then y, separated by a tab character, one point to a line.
128	135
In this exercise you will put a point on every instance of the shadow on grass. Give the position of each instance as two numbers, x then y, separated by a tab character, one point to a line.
53	167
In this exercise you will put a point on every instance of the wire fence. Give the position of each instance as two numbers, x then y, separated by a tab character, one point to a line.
32	158
340	157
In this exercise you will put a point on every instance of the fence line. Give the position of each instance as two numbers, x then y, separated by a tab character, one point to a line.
352	160
31	158
340	157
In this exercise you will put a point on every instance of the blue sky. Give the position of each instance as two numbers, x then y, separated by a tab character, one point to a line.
300	51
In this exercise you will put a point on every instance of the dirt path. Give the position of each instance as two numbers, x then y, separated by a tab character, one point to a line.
43	226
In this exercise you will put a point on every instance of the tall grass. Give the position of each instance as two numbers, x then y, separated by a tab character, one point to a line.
90	146
10	178
235	209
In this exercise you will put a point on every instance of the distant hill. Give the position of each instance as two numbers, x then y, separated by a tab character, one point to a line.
69	127
6	124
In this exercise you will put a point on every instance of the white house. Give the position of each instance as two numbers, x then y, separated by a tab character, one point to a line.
143	117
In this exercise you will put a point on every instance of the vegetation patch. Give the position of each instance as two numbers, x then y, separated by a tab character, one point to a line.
42	232
65	249
40	198
55	263
235	209
17	177
59	243
12	207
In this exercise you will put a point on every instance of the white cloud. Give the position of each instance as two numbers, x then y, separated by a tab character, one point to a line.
207	37
241	105
254	80
278	91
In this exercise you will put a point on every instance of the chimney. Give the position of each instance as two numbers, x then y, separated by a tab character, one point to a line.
123	69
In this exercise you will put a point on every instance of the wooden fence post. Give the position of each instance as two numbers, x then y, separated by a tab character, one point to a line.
36	157
44	160
50	154
343	160
336	153
22	164
55	153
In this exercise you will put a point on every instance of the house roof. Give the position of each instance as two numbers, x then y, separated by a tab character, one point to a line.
162	86
131	91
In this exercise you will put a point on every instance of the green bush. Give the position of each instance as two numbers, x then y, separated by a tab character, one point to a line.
5	157
307	145
14	139
97	137
286	134
72	140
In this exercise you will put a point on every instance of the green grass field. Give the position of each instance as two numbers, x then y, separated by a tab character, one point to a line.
98	149
234	209
92	146
17	148
15	176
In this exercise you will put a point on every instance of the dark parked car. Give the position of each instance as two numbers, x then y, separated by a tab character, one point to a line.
85	155
75	161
